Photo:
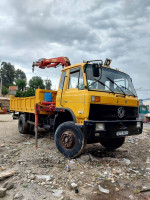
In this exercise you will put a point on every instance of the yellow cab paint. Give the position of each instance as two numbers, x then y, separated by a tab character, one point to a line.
79	100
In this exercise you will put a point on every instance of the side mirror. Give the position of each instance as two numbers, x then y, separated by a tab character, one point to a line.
95	69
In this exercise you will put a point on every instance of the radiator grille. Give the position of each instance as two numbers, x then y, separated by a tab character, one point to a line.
107	112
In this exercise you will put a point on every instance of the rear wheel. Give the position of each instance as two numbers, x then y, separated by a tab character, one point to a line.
69	139
31	129
23	127
112	143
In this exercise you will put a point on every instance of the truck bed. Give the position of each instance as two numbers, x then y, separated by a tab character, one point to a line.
27	104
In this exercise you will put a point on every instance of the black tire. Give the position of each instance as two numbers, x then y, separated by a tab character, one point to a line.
31	129
69	140
113	143
23	127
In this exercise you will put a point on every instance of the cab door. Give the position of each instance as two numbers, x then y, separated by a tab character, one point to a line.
74	95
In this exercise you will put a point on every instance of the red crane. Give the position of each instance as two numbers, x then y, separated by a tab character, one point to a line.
47	106
52	62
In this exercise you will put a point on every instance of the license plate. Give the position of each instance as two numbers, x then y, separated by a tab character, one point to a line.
122	133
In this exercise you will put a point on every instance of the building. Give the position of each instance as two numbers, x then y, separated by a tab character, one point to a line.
13	89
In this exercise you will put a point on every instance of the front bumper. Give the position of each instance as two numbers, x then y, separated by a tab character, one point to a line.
113	129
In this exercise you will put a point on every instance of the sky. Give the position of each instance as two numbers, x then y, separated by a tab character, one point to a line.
80	30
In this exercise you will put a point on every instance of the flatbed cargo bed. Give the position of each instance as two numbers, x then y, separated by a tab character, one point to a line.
27	104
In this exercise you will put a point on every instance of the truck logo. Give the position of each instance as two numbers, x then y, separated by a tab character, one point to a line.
121	112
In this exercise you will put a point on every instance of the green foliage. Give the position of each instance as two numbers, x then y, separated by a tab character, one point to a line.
36	82
21	84
4	90
10	85
48	84
28	93
19	74
7	72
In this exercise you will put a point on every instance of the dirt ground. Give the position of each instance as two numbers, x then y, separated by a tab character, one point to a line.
96	175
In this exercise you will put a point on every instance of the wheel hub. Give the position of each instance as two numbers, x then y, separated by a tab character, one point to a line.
68	139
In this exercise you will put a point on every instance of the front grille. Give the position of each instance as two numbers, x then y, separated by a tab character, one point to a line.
107	112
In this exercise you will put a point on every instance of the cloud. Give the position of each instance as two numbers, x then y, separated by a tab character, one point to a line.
81	30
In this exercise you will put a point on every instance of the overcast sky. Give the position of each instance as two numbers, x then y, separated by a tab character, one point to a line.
80	30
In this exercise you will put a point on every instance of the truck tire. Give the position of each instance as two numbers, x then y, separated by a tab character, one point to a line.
112	143
31	129
69	140
23	127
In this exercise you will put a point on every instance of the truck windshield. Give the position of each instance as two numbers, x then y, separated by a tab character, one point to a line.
110	81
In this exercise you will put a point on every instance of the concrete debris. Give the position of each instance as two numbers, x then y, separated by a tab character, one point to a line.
2	192
81	173
131	197
101	189
148	160
32	177
96	174
127	161
3	168
80	161
72	162
46	177
8	185
74	185
92	158
16	196
27	143
57	193
6	174
85	158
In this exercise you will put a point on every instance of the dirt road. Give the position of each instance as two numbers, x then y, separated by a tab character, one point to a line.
97	174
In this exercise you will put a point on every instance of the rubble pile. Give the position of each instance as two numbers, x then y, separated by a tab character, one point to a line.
28	173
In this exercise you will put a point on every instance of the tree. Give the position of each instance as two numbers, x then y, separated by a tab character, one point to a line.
30	92
36	82
19	74
48	84
7	72
4	90
21	84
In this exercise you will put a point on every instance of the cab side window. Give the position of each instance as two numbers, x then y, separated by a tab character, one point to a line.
62	80
81	82
76	79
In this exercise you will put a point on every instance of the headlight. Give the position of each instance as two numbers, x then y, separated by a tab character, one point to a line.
95	98
138	125
100	127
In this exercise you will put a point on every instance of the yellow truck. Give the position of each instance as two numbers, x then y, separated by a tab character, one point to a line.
94	103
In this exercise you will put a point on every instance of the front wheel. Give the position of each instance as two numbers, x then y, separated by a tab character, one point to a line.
69	139
113	143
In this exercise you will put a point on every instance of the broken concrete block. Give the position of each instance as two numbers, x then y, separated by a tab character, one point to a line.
2	192
8	185
6	174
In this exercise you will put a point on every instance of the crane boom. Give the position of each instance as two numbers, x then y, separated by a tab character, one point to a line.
52	62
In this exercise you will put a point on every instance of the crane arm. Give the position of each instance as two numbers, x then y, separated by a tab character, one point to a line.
52	62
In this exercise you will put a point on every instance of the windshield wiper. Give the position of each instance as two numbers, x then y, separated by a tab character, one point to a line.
101	84
116	85
128	90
